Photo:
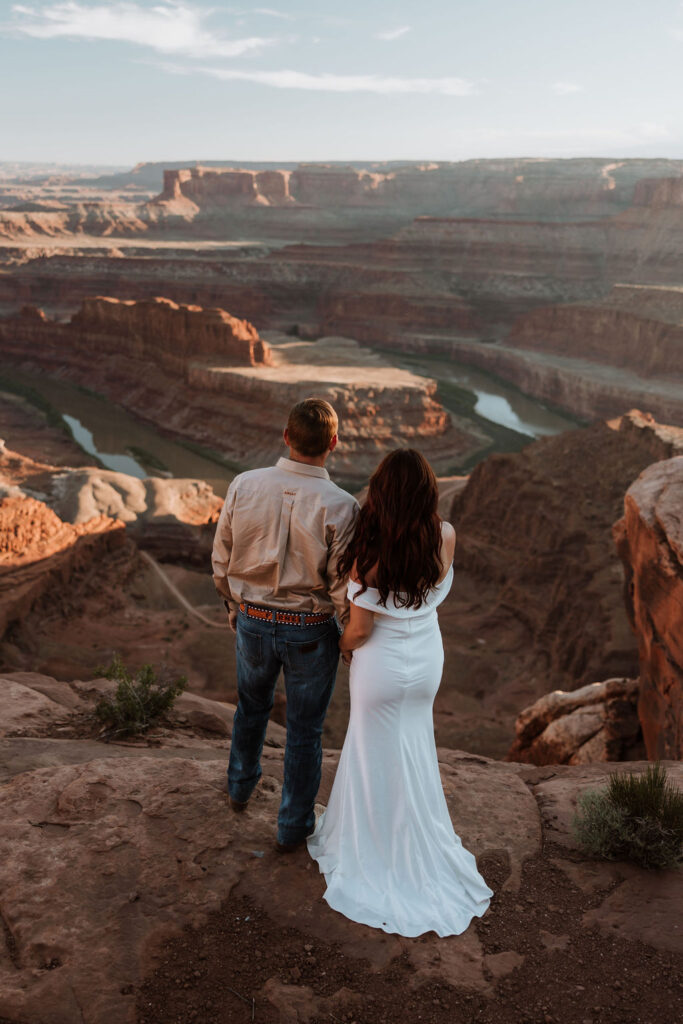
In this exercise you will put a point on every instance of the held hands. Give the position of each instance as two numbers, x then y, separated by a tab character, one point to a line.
346	652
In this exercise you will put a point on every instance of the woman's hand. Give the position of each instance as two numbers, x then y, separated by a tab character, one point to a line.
346	657
357	630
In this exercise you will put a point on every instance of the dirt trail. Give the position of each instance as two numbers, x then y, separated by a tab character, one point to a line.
178	595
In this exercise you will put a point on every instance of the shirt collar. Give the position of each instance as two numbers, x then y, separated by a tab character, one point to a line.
302	467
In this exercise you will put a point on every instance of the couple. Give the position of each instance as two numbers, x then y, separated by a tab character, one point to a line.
291	549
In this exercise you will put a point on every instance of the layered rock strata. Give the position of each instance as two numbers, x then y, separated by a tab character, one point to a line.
650	542
638	328
184	382
170	334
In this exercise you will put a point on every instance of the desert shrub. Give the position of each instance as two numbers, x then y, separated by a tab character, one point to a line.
638	817
138	701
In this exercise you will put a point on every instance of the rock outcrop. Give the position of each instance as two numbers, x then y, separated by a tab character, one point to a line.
134	843
173	518
650	541
202	374
598	722
39	554
536	526
163	331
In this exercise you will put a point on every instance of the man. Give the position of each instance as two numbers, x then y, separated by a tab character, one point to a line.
278	539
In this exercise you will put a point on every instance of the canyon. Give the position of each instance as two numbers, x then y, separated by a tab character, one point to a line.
201	374
562	277
568	579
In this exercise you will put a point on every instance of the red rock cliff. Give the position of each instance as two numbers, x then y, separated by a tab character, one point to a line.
640	336
650	542
161	328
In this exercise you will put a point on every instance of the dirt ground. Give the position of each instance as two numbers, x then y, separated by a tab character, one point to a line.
243	966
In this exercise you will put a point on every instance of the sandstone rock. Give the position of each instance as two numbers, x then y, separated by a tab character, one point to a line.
24	707
650	543
646	910
173	518
557	794
128	850
40	553
598	722
138	328
615	331
131	847
536	525
206	396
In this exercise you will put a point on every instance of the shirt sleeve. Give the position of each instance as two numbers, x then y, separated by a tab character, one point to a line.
222	549
342	534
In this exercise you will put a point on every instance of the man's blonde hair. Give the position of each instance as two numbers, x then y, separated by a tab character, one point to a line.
311	426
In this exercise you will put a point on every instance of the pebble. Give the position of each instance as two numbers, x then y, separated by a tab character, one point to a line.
295	973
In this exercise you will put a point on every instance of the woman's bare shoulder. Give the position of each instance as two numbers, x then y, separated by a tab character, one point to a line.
447	530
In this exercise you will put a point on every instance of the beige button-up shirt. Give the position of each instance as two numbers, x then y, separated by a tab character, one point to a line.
279	536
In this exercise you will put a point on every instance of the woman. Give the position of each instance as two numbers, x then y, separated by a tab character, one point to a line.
385	843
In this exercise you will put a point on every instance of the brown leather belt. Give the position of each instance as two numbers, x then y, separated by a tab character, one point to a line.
258	611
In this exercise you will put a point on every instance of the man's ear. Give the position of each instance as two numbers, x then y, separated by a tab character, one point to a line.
285	435
333	443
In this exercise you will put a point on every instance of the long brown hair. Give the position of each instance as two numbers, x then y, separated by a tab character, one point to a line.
398	530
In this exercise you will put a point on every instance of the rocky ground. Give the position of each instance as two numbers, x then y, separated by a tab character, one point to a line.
179	910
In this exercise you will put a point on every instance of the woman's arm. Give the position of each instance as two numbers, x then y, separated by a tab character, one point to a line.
358	629
359	625
447	549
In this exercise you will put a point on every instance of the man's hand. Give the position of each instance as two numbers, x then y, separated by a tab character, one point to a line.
232	620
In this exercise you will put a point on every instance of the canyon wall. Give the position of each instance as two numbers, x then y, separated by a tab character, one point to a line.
172	334
610	332
536	525
179	368
522	187
649	539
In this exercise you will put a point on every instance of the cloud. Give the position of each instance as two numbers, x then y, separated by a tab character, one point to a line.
169	27
270	12
393	33
287	79
566	88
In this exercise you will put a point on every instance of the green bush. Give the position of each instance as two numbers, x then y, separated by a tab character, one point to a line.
138	701
638	817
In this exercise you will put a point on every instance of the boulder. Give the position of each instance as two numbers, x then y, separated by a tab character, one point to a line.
597	722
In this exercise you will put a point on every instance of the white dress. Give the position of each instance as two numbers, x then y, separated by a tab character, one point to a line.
385	843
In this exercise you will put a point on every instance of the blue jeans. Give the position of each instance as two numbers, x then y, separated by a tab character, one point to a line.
309	656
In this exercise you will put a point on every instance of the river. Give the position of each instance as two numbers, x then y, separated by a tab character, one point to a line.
126	444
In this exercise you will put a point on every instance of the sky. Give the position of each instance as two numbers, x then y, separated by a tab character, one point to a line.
122	82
